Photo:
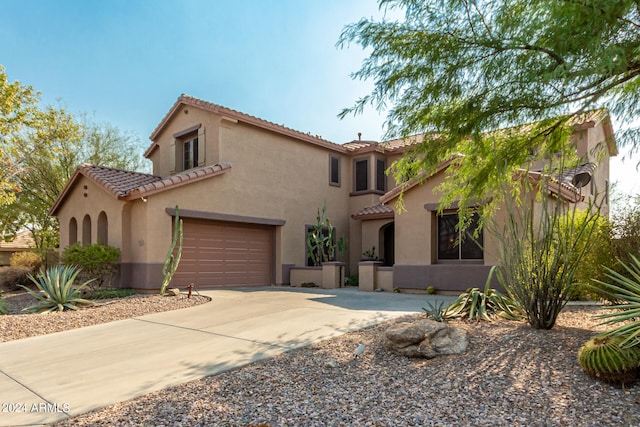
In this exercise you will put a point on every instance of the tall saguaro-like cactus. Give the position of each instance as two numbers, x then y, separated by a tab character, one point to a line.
171	263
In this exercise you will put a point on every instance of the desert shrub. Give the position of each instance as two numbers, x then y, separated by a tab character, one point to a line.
99	262
26	259
541	246
598	252
56	290
4	307
351	280
111	293
11	278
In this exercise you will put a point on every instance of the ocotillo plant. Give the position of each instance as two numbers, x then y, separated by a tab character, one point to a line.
171	263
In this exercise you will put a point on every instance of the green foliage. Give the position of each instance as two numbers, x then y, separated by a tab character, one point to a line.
18	107
457	71
541	245
173	260
11	278
624	288
320	239
28	259
599	250
436	311
605	358
476	304
40	149
57	291
352	280
111	293
96	261
4	307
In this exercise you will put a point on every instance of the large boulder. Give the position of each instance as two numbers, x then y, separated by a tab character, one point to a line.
425	338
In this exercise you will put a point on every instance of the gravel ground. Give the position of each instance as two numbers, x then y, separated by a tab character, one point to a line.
19	324
511	375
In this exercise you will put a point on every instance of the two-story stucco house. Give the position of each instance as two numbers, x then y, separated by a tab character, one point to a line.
248	191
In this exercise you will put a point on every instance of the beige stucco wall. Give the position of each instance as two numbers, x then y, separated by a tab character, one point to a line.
272	176
96	201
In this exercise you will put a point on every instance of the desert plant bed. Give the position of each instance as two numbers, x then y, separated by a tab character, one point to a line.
21	324
510	375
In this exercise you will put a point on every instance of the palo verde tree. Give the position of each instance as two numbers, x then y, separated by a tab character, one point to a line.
457	70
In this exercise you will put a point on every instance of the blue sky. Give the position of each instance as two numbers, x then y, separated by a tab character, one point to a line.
126	61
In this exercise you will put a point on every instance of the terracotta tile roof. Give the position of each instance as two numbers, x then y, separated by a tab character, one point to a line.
127	185
378	211
242	117
182	178
117	181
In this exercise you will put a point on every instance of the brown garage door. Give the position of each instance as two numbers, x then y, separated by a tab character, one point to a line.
216	253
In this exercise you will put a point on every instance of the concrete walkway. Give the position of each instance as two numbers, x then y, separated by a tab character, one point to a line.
48	378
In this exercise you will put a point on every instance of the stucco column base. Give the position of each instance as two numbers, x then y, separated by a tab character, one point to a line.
367	275
332	275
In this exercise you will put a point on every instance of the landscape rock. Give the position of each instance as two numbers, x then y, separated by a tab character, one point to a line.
173	292
425	338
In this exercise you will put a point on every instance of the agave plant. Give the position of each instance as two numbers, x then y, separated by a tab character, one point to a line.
475	304
436	311
56	290
626	290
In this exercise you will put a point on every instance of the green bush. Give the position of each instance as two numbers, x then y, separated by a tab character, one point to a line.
99	262
26	259
351	280
57	291
4	308
12	277
598	252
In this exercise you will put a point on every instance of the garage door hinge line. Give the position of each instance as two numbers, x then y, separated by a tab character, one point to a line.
213	333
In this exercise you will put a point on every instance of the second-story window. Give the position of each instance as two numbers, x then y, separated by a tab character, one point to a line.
190	153
361	175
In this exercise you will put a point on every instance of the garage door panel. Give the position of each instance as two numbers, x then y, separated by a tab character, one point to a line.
225	254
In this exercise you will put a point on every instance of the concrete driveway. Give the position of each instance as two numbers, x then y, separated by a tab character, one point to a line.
48	378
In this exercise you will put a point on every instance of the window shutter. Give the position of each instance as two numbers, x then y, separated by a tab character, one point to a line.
172	156
201	147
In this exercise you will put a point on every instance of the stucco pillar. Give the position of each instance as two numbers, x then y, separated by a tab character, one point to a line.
332	274
367	272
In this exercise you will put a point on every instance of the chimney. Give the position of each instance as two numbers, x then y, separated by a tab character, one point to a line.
359	136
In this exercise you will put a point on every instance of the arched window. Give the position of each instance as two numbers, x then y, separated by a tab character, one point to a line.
73	231
86	230
103	229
